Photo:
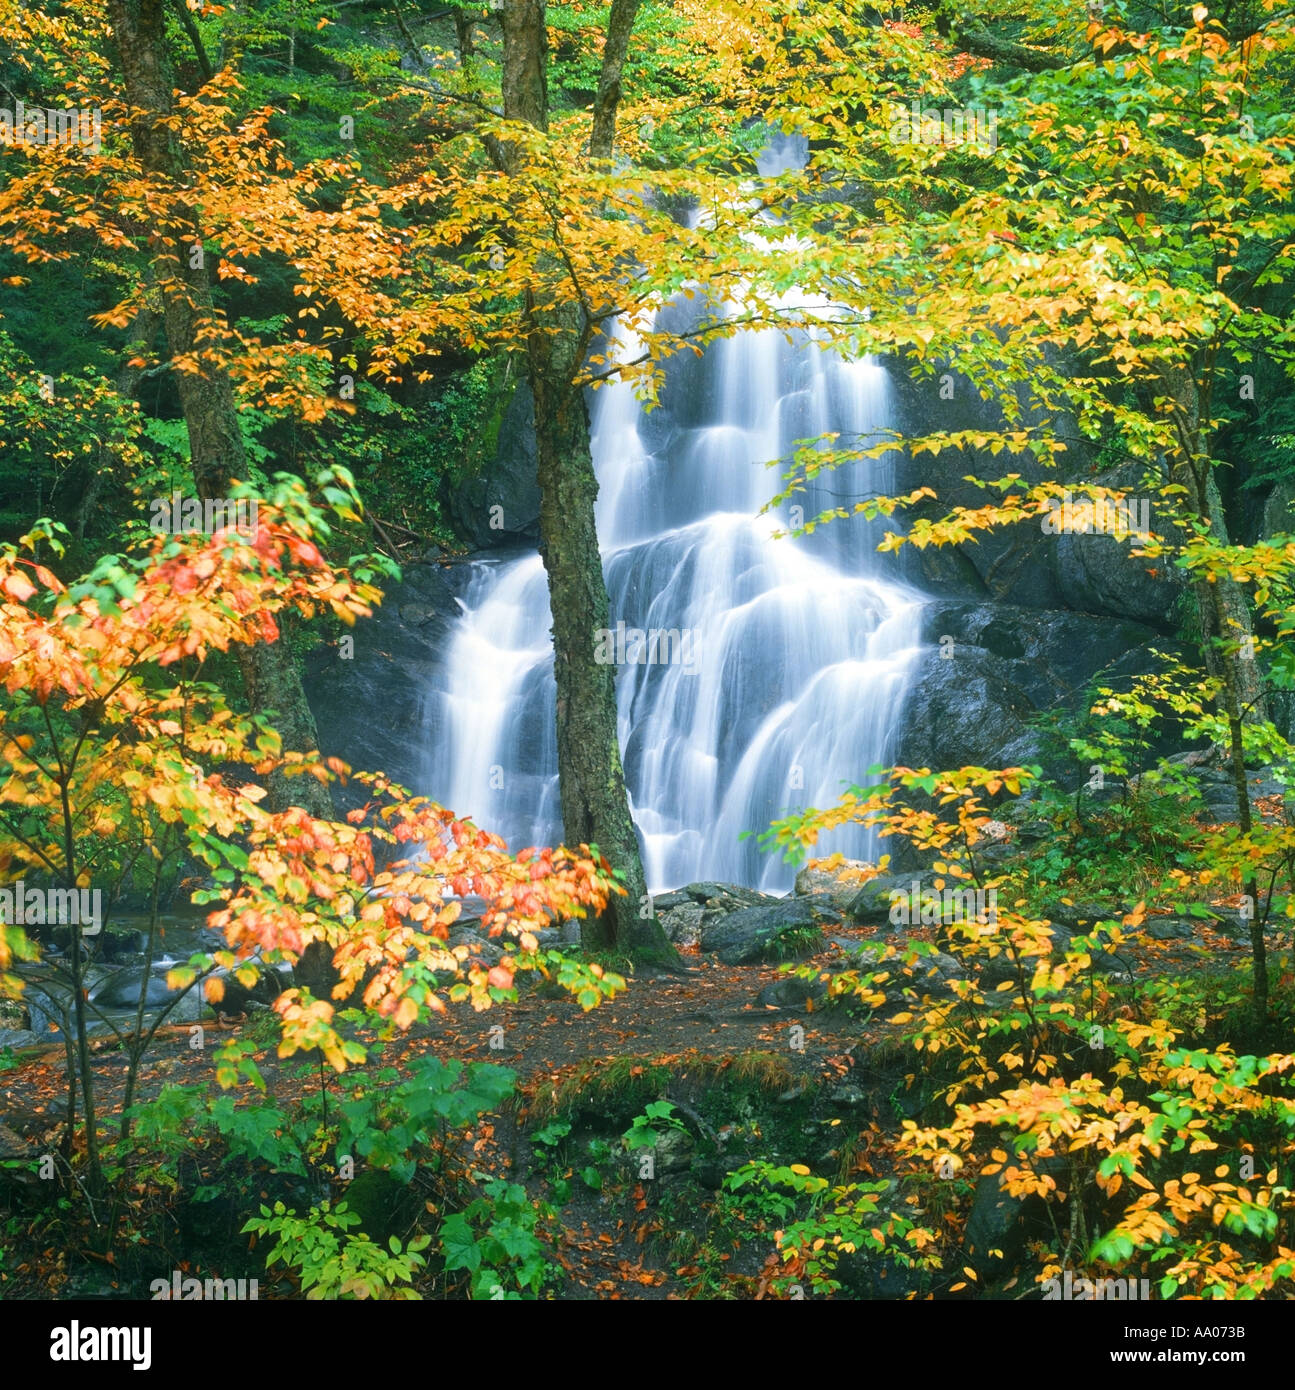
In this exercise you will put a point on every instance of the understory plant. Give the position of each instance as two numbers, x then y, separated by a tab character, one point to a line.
1132	1142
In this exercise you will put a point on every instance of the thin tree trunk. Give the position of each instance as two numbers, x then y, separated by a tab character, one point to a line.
270	674
595	805
607	102
1226	637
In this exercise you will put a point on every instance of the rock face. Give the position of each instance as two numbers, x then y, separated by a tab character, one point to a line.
1032	618
682	924
368	708
992	667
501	505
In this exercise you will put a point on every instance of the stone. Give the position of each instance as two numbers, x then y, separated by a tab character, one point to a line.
839	885
791	993
751	934
847	1096
727	897
500	504
682	924
1170	928
1080	919
667	902
996	1223
122	990
671	1153
871	905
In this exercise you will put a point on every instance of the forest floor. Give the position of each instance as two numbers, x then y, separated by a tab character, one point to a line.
622	1244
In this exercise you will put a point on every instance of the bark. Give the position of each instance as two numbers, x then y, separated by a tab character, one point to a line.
972	37
126	384
1226	635
270	674
595	805
525	68
464	26
607	102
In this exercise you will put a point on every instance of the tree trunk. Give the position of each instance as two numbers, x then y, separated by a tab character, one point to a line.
270	674
1226	637
595	806
607	102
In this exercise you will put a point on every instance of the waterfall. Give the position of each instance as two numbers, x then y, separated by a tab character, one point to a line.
755	675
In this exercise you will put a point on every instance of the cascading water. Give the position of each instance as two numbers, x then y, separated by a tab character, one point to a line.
777	674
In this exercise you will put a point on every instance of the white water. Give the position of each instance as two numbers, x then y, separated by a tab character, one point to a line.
804	644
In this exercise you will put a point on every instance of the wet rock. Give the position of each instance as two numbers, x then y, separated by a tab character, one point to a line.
847	1097
393	655
1171	928
996	1229
1080	919
671	1153
667	902
871	905
122	989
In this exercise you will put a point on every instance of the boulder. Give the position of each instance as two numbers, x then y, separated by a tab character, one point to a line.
871	904
1171	928
122	989
996	1223
682	924
666	902
791	993
727	897
753	934
839	885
